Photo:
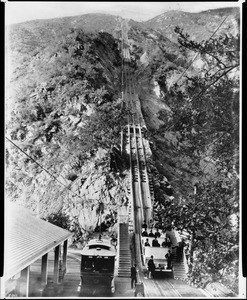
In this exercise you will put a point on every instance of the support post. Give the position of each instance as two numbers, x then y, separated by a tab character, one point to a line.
65	249
25	277
44	268
56	263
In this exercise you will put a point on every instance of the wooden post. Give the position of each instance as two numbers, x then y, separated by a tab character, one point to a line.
25	276
56	263
65	248
44	268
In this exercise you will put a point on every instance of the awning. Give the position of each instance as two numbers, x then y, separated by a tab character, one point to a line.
27	238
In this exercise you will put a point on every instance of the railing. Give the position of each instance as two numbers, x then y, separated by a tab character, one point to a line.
139	176
131	186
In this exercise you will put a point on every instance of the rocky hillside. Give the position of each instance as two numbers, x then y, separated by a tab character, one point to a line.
64	111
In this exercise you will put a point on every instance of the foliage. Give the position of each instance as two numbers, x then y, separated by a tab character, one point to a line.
59	219
209	107
205	119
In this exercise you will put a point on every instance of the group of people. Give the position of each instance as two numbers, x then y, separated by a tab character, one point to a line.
156	234
155	243
151	234
152	267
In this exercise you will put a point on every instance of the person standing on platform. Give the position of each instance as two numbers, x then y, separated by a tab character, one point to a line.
147	243
144	225
163	234
151	267
133	271
169	260
157	233
187	253
168	242
155	243
179	251
145	233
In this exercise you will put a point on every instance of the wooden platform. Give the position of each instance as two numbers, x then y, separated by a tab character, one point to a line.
170	288
70	287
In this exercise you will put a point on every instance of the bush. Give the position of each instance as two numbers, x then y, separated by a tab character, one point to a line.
59	219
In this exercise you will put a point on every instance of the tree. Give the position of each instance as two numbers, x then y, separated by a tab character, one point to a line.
205	118
207	105
59	219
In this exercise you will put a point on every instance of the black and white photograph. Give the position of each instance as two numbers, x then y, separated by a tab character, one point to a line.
122	150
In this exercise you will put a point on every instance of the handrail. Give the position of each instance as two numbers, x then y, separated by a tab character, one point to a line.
139	176
136	147
138	249
149	204
131	185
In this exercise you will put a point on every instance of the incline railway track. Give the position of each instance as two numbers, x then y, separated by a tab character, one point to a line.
133	136
134	144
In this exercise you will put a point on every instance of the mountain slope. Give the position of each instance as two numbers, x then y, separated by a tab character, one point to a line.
198	25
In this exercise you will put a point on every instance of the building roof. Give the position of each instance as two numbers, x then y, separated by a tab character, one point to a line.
27	238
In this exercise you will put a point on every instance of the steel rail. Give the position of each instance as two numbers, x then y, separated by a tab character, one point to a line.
145	185
136	168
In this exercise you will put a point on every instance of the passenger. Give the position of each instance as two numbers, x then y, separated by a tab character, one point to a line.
89	264
151	233
168	241
155	243
144	233
180	247
147	243
168	257
97	263
114	241
144	225
133	276
151	267
163	244
157	234
163	233
187	253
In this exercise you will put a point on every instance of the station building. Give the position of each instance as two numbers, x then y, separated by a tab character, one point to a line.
26	240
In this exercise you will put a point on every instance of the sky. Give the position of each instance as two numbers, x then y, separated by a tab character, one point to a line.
22	11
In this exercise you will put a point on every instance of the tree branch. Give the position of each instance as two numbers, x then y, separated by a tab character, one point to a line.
217	79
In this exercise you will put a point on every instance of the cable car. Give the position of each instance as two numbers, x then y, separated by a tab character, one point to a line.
97	266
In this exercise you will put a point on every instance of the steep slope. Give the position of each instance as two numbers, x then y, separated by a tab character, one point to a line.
64	106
